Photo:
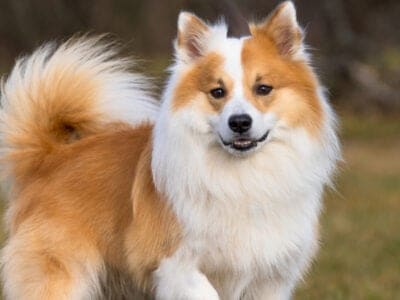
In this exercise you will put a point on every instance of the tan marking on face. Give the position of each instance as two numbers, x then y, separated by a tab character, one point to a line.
294	94
195	86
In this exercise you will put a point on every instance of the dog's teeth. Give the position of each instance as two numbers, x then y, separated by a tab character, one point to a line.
242	143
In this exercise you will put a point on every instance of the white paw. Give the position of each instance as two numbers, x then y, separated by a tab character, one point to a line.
182	284
198	288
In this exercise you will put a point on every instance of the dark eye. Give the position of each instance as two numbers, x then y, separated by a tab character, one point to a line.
217	93
263	89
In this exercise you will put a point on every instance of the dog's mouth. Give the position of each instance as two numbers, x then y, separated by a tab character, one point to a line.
244	143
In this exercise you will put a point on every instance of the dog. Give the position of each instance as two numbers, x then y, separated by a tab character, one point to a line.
212	193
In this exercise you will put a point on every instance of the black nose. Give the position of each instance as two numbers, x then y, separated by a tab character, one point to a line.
240	123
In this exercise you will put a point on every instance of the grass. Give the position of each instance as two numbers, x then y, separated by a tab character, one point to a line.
360	249
360	243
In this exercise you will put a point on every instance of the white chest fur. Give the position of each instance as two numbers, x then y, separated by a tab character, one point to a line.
244	218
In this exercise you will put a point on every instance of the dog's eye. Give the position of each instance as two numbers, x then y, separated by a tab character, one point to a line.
263	89
217	93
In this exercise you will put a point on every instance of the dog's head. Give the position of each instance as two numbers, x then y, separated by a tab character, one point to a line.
239	91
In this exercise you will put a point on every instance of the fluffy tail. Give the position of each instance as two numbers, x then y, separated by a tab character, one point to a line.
62	93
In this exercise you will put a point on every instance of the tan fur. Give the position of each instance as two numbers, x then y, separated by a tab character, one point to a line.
85	212
187	40
279	30
47	258
294	85
205	74
77	171
73	115
266	59
154	232
84	201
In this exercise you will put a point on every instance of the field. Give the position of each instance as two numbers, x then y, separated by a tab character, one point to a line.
360	249
360	243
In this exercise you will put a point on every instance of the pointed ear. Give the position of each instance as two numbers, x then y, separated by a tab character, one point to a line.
282	27
192	35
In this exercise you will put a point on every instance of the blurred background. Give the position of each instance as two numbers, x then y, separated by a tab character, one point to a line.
356	51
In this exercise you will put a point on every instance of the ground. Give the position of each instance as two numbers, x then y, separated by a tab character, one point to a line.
360	239
360	244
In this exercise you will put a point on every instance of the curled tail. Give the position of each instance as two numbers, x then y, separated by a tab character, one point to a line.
61	93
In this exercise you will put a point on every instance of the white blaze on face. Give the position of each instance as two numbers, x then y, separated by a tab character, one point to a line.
231	50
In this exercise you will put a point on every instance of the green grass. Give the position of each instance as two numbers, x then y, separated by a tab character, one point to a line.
360	228
360	243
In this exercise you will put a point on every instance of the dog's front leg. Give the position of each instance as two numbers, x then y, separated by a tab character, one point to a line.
179	279
269	290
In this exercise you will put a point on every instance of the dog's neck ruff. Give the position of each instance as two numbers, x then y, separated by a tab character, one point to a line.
194	173
245	211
